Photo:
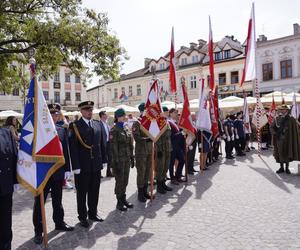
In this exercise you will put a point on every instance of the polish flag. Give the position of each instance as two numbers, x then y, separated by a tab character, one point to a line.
211	58
249	72
203	119
172	65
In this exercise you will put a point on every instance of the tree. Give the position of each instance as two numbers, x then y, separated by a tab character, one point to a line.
61	31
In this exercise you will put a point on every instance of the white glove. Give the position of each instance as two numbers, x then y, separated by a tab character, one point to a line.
67	175
237	137
191	147
224	136
76	171
228	138
104	165
16	187
232	138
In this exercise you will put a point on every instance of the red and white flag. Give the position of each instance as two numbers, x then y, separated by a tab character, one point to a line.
173	87
211	58
272	112
203	119
213	116
249	72
185	120
152	123
259	116
246	117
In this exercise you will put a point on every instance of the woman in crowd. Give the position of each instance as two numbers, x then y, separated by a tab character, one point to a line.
12	123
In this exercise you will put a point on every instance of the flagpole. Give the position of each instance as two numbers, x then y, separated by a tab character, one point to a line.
186	161
202	154
152	171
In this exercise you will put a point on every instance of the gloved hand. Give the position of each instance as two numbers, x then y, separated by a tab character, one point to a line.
104	165
16	187
76	171
237	137
224	136
228	139
191	147
132	161
67	175
232	138
159	155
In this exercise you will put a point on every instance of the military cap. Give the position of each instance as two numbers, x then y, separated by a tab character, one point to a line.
172	110
284	106
141	107
165	109
119	113
86	105
54	108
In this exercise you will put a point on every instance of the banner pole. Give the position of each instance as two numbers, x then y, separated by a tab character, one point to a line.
202	154
42	202
186	163
152	172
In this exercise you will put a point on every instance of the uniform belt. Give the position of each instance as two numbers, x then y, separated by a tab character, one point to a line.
90	147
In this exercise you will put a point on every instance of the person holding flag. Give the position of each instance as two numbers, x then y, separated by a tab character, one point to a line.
55	183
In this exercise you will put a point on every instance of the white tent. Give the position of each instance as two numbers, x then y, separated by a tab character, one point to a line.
7	113
268	98
127	108
231	102
169	104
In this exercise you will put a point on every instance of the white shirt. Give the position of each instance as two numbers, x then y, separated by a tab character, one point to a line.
88	121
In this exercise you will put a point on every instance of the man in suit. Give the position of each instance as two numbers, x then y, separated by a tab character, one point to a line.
8	162
192	151
106	129
55	183
87	147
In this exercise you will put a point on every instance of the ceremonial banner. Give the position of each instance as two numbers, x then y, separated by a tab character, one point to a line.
211	58
173	87
259	116
185	120
40	153
246	117
272	112
213	116
152	123
203	119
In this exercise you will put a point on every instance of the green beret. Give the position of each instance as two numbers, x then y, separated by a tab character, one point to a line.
165	109
119	113
141	107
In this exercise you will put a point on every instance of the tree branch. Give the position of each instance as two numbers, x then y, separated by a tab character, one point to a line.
14	40
17	51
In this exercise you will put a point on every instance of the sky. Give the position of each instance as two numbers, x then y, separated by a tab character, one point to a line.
144	26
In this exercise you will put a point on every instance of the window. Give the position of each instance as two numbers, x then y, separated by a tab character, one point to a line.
218	56
15	91
138	90
123	90
234	77
184	61
222	79
67	77
115	93
130	91
286	68
77	79
68	96
161	66
227	54
193	82
56	77
267	69
56	97
46	95
77	97
195	59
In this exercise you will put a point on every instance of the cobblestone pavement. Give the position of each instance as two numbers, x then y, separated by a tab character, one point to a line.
237	204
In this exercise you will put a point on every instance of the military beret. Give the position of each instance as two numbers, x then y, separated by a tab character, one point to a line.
165	109
119	113
141	107
54	108
87	104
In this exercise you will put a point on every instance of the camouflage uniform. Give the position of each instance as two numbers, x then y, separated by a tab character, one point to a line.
121	146
143	151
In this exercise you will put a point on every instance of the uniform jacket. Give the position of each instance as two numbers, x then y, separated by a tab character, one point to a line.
177	138
8	162
164	144
81	157
143	144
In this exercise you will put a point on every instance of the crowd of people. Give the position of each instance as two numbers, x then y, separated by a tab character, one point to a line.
90	145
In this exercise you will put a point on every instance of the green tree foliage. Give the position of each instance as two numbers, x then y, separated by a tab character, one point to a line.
61	31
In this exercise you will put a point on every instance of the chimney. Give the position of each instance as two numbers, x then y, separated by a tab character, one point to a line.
146	62
201	43
193	45
296	29
262	38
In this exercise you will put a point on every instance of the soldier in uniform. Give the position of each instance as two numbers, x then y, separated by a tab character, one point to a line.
55	183
286	139
8	162
121	146
87	148
229	133
143	151
163	156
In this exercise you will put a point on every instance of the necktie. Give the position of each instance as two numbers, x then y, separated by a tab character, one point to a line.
90	125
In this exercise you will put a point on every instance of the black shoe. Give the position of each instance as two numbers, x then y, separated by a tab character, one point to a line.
96	218
190	172
127	203
180	180
84	223
63	227
280	170
252	147
109	174
167	188
141	196
241	154
195	171
287	170
146	194
121	206
160	188
174	181
38	239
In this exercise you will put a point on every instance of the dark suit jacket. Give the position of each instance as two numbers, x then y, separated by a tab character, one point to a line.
177	138
81	156
8	162
105	142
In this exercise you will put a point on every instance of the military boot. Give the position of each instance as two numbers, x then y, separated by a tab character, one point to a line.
121	206
167	188
160	188
145	192
141	196
287	170
126	203
281	169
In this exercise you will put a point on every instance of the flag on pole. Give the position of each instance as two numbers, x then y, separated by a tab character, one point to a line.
152	123
295	108
40	153
249	71
259	116
185	120
173	87
272	112
213	116
216	103
211	58
246	117
203	119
